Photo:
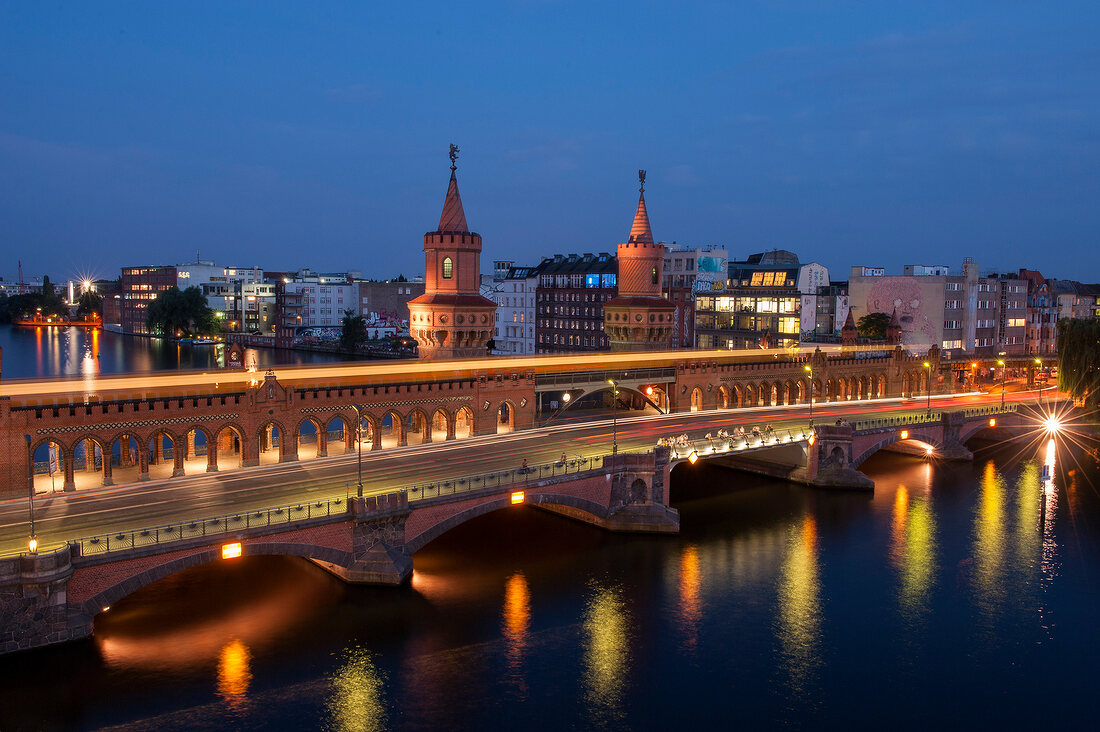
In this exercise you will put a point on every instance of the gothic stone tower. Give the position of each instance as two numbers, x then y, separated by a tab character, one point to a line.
638	318
452	319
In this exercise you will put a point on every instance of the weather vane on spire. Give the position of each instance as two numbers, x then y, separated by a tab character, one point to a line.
641	180
454	155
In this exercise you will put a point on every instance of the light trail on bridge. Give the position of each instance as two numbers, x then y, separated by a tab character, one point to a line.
179	383
63	516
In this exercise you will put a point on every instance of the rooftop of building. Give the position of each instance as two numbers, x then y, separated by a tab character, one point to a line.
587	263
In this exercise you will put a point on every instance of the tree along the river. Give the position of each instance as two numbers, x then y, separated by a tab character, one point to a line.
354	333
176	313
89	302
873	326
1078	358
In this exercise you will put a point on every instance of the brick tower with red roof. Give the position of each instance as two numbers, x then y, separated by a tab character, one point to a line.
452	319
638	318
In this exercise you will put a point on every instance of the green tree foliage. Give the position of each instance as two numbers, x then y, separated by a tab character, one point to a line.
45	301
354	333
88	303
873	326
1078	358
181	313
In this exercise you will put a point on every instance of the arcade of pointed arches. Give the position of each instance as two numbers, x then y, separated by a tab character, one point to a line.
131	456
765	393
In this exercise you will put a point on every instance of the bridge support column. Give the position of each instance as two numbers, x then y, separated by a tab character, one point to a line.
378	542
212	456
953	448
108	470
143	464
830	460
177	462
322	442
69	460
33	602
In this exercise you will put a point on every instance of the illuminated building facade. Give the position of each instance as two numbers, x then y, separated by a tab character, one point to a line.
570	297
761	306
140	286
688	272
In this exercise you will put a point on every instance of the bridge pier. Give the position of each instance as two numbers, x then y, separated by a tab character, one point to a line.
34	610
830	460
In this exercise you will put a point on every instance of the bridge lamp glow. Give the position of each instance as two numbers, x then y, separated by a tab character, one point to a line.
992	421
566	396
649	391
929	450
231	551
693	457
32	544
1052	424
905	434
517	497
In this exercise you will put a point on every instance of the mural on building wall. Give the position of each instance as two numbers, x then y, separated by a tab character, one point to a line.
904	294
711	274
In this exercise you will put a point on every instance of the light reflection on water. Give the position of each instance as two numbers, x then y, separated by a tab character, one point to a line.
777	605
799	611
606	654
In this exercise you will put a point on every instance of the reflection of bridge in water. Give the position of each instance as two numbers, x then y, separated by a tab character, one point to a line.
374	538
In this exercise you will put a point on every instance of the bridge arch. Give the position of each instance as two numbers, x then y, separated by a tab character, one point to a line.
723	397
90	459
162	458
111	595
506	417
391	430
308	435
464	423
917	438
339	437
591	508
441	425
417	427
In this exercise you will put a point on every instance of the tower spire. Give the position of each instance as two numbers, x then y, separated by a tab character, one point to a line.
453	218
640	233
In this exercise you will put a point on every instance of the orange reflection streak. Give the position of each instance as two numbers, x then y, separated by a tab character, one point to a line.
690	607
517	621
234	674
901	516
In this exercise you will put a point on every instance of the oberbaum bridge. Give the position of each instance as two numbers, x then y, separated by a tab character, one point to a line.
143	430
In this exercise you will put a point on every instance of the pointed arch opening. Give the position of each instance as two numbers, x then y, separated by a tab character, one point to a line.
271	438
464	423
161	456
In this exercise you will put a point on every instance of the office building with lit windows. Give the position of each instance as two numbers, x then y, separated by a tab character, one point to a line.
569	299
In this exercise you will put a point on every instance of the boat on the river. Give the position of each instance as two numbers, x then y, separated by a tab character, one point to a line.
58	321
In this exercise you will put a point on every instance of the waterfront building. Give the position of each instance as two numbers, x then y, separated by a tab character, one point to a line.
687	272
762	303
452	319
570	296
964	313
325	295
388	301
140	286
514	293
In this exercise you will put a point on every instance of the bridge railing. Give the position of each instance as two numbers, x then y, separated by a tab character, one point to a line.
877	424
503	478
704	446
197	529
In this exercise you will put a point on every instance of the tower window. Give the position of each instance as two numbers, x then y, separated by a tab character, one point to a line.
654	275
448	268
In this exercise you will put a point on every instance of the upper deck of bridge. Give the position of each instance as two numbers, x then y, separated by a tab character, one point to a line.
376	373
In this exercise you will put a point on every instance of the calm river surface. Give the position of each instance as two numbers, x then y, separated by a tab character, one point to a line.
957	597
35	352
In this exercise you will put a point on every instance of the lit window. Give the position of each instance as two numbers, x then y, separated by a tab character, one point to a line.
448	268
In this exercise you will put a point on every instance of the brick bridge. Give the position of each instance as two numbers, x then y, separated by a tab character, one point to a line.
125	429
54	596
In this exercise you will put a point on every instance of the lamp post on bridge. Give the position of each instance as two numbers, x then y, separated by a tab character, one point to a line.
810	368
928	366
359	441
32	543
1039	386
614	417
1004	369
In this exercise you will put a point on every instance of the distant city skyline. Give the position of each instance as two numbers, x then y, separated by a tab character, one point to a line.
848	134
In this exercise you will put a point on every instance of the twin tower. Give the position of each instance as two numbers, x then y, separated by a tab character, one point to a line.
452	319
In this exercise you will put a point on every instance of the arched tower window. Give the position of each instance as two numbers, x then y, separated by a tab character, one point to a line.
448	268
654	275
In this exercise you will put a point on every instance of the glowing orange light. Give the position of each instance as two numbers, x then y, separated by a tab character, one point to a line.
693	457
33	545
231	551
517	497
649	391
992	421
905	434
813	439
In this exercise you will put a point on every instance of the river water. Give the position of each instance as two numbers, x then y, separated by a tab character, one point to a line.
46	352
959	596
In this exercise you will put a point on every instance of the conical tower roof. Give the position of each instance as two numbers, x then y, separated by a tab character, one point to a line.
640	232
894	322
453	218
850	322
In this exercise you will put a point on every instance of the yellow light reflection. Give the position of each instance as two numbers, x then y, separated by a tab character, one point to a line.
234	674
989	540
606	655
690	613
517	622
800	607
357	701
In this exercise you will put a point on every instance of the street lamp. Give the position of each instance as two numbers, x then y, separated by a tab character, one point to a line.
1039	361
928	366
811	370
614	417
32	543
1003	370
359	440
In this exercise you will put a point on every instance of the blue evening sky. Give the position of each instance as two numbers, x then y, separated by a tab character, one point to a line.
291	135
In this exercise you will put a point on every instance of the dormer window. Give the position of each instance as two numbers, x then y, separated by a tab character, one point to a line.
448	268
